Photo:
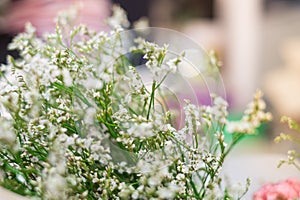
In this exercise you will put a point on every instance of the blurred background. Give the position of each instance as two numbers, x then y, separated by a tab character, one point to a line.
258	41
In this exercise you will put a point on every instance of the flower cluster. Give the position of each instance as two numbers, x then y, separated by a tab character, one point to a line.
254	116
78	122
288	189
293	155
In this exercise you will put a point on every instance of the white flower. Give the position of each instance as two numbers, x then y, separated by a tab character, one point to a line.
173	64
118	18
134	79
219	109
141	130
135	195
142	23
90	116
253	117
55	185
192	119
155	56
165	193
92	83
7	133
240	127
68	81
180	176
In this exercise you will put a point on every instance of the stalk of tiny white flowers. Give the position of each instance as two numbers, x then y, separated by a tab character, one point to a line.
253	117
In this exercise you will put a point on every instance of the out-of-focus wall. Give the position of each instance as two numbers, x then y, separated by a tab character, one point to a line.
241	21
249	36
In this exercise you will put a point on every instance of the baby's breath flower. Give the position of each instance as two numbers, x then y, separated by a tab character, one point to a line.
142	130
7	133
254	116
78	121
118	19
142	23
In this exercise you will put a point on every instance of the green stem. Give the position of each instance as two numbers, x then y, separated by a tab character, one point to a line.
151	103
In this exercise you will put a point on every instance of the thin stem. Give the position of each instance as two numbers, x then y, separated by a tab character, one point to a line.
151	103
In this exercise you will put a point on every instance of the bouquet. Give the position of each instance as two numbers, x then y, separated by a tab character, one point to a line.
78	120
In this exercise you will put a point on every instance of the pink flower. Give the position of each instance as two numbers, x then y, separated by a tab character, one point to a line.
284	190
